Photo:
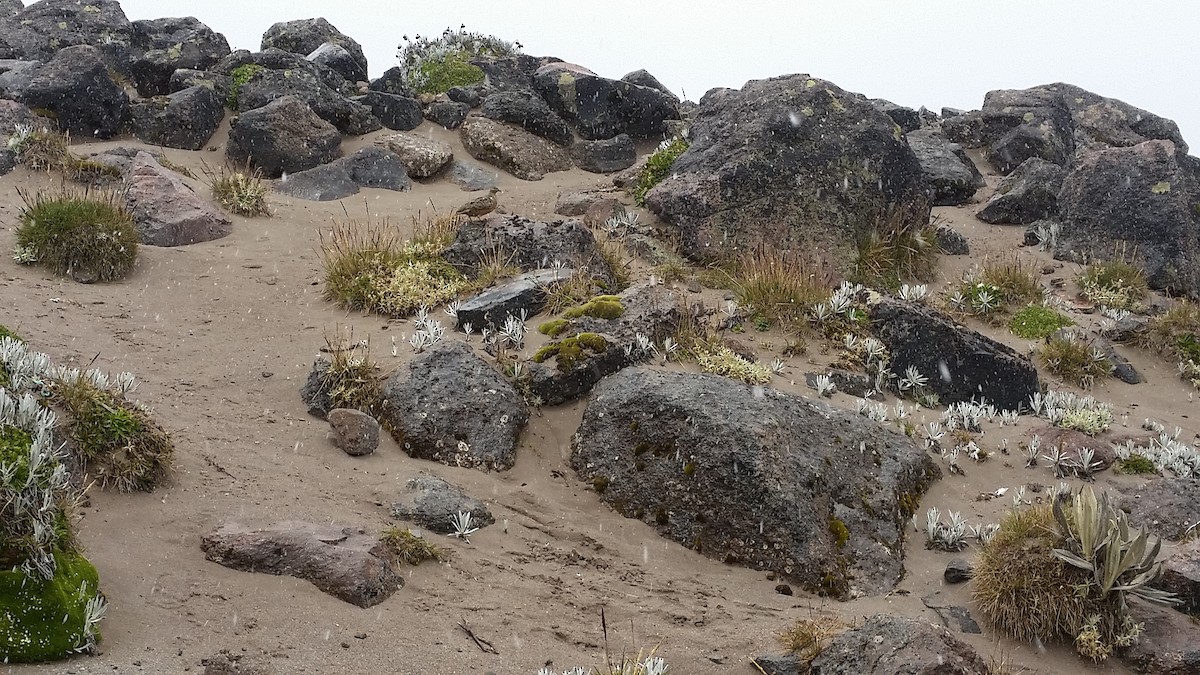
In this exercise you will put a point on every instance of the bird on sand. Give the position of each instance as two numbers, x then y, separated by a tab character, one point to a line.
480	206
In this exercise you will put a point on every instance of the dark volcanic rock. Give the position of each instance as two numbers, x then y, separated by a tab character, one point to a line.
399	113
949	172
316	393
76	87
470	176
343	562
961	364
605	156
269	85
324	183
355	432
450	406
528	111
906	118
184	78
755	477
791	162
643	78
511	72
304	36
602	108
951	241
283	136
1181	576
286	62
44	28
1169	643
449	114
1167	506
1142	198
431	502
1028	194
522	294
375	167
185	119
422	156
893	645
391	82
338	59
528	244
513	149
166	45
958	571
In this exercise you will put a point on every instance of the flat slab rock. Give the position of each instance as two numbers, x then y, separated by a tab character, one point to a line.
343	562
893	645
167	212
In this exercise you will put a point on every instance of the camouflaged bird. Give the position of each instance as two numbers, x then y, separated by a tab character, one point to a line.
479	207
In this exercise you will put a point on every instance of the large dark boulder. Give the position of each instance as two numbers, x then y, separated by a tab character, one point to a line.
283	136
949	172
289	63
166	45
75	86
375	167
528	111
184	78
165	210
449	114
391	82
791	162
612	154
1028	194
896	645
602	108
1167	506
510	72
527	244
1141	199
906	118
43	28
513	149
399	113
268	85
960	364
643	78
338	59
755	477
1168	645
10	8
304	36
324	183
449	406
185	119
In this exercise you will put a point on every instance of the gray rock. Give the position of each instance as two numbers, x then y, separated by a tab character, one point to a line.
643	78
398	113
525	293
16	75
422	157
580	202
338	59
754	477
287	62
225	663
602	108
1126	329
269	85
954	617
854	384
13	115
1168	645
392	82
10	8
1028	194
8	161
354	432
324	183
184	78
316	393
1169	507
949	172
1181	576
304	36
906	118
42	29
958	570
450	406
283	136
607	156
783	664
167	212
470	95
530	112
76	87
166	45
952	112
1142	197
512	149
375	167
343	562
471	177
894	645
960	364
448	114
758	171
431	502
951	241
185	119
528	244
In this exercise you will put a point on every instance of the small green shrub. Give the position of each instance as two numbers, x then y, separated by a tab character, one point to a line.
48	619
1115	284
599	307
241	75
1138	464
239	191
1074	360
1036	322
409	549
658	167
434	65
721	360
807	637
82	235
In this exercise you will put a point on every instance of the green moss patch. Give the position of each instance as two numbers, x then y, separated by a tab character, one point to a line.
241	75
658	167
1036	322
554	327
568	352
44	620
599	307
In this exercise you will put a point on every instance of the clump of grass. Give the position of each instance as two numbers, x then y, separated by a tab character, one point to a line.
808	637
721	360
369	267
658	167
1137	463
240	191
1074	360
618	260
352	379
495	265
780	287
240	76
49	150
1115	284
87	236
1176	334
1036	322
121	446
570	292
997	287
894	250
434	65
410	549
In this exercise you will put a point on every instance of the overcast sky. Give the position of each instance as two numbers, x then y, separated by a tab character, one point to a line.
916	52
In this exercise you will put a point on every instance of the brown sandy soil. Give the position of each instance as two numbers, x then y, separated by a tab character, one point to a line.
221	336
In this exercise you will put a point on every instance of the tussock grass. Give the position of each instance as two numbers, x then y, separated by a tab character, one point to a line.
495	264
1115	284
50	150
407	548
86	235
1176	334
779	286
369	266
997	287
239	191
808	637
1074	360
352	380
894	250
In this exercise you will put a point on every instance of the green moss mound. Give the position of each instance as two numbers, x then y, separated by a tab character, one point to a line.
1036	322
568	352
241	75
44	620
658	167
439	74
85	236
553	327
599	307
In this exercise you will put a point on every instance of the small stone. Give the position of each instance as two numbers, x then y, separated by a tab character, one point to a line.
783	589
958	571
267	373
345	645
361	636
355	432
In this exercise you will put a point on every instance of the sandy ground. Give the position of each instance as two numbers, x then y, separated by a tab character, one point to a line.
221	336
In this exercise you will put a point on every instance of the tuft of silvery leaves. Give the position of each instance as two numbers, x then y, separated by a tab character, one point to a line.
950	536
917	293
1072	411
1167	453
913	379
1047	234
777	366
824	385
669	348
513	330
642	348
462	524
1032	451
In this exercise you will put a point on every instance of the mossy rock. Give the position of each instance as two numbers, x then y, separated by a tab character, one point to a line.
44	620
599	307
568	352
554	327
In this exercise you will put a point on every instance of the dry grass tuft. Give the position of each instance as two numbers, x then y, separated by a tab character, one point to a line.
239	191
1074	360
779	286
894	250
407	548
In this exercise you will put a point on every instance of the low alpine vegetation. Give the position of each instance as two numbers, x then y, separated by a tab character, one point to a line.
1114	284
408	548
84	235
434	65
1074	360
780	288
50	150
351	378
1176	334
658	167
1035	322
239	191
240	76
807	638
997	287
895	250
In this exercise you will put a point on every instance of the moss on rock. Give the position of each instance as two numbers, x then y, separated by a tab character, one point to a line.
599	307
43	620
568	352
